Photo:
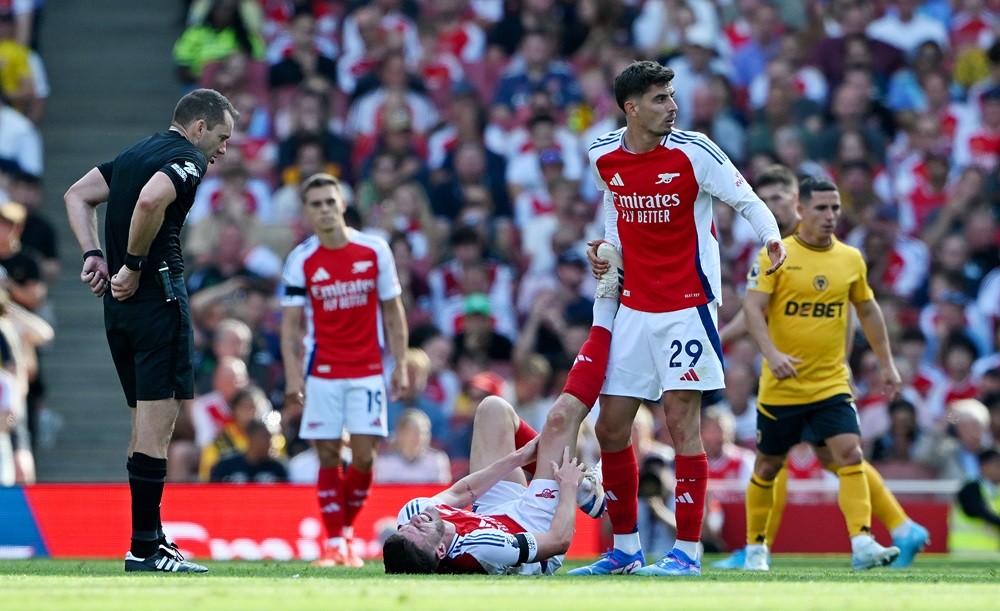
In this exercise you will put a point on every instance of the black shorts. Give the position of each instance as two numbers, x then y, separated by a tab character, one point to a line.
779	427
152	344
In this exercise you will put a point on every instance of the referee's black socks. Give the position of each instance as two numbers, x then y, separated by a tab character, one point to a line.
145	480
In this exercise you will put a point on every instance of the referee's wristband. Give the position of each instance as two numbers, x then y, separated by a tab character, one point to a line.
135	263
97	252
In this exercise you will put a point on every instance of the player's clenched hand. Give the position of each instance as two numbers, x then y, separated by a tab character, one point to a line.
95	275
776	253
783	365
570	472
124	283
891	381
399	383
597	265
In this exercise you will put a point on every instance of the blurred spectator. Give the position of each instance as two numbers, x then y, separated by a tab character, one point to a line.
525	172
20	145
443	384
535	68
248	405
233	253
397	138
230	190
16	80
898	442
852	45
975	524
950	312
39	234
951	446
217	29
393	93
726	460
412	281
477	334
896	262
659	28
467	272
203	418
411	459
415	398
708	117
255	466
741	402
303	57
506	36
471	164
695	67
905	28
308	120
957	353
528	388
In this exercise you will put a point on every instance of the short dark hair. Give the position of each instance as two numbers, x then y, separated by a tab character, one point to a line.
778	174
987	455
402	556
638	77
320	179
207	104
812	184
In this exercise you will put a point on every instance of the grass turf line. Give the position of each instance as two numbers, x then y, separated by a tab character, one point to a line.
795	582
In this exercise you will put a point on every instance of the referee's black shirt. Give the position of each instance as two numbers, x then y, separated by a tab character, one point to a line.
168	152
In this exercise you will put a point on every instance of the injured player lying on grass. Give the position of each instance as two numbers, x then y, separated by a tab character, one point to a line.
513	527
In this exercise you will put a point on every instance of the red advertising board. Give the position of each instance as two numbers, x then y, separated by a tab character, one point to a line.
224	521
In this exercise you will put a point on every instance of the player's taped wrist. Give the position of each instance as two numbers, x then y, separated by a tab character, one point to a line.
135	262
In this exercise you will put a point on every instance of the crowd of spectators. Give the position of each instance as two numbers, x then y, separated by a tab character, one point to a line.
29	260
461	129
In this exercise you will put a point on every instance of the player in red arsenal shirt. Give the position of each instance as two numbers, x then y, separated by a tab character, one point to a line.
341	286
658	184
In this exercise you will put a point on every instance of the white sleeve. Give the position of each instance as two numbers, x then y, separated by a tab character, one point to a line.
497	550
388	281
610	220
293	281
721	178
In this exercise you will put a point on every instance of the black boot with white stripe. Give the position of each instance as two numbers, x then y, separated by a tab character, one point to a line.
166	559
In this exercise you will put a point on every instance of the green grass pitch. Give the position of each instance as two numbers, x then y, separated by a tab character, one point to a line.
795	582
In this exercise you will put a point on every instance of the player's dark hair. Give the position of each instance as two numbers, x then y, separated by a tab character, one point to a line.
987	455
402	556
812	184
207	104
778	174
638	77
320	179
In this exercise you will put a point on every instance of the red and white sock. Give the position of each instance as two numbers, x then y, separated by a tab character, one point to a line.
587	374
330	492
692	482
356	485
621	485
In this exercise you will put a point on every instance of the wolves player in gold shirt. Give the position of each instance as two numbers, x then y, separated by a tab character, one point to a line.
798	317
779	189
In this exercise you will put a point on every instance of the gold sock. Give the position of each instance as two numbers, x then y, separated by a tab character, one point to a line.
854	499
778	506
885	508
760	498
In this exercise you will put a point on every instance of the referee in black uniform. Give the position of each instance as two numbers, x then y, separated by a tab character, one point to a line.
149	188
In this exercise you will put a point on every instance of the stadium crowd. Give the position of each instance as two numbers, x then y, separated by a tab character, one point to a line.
461	128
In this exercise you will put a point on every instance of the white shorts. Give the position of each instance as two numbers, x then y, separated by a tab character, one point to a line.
532	507
357	403
655	352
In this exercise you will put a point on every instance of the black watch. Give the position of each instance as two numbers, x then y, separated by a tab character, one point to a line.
135	262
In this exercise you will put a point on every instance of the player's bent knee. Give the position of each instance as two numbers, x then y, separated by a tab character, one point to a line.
494	409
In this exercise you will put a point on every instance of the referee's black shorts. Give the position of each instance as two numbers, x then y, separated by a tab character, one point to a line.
152	344
779	427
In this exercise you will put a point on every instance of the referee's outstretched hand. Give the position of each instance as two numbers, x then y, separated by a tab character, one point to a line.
776	253
124	283
95	275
